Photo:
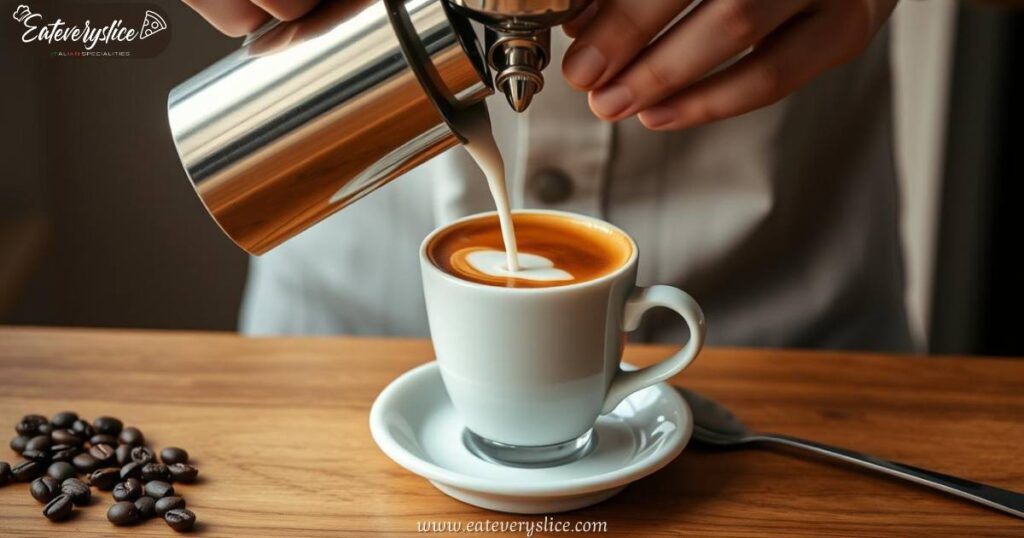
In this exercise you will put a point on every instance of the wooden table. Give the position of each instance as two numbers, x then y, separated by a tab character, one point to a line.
279	430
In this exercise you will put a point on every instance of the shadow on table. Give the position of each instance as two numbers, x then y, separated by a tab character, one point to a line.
697	476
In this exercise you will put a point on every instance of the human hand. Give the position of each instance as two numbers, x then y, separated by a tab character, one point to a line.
679	81
237	18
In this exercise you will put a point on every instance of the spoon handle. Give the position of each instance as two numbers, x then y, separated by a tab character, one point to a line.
1000	499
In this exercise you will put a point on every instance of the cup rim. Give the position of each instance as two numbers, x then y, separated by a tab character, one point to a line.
428	264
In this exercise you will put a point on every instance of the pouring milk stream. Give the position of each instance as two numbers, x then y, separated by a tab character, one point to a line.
484	150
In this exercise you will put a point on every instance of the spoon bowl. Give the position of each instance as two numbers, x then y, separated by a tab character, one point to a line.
713	423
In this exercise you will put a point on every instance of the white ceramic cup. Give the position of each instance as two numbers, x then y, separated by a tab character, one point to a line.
530	369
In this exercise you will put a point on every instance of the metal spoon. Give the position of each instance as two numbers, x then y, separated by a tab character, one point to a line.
714	424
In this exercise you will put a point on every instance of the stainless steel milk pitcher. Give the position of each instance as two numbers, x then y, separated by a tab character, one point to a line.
311	115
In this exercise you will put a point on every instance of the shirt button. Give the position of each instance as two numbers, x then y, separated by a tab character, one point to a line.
551	186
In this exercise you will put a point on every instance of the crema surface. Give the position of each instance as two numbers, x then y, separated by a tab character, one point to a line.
577	248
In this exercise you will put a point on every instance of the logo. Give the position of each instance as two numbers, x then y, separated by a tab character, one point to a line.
21	13
152	24
86	30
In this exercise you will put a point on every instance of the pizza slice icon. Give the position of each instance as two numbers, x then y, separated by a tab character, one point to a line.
151	24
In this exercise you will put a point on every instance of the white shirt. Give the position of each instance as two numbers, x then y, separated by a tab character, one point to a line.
782	223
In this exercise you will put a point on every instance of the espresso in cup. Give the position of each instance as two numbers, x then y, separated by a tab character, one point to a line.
554	250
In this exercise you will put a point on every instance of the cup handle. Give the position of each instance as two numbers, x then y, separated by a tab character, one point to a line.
642	300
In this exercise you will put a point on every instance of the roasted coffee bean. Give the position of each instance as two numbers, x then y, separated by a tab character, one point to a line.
183	472
59	508
44	489
103	453
173	454
26	428
107	425
103	439
155	471
29	424
142	455
129	490
63	452
79	492
180	519
123	454
146	506
169	503
82	429
132	470
84	463
41	456
18	443
61	471
59	447
27	470
45	429
131	436
5	473
123	513
64	419
39	442
65	437
105	478
159	489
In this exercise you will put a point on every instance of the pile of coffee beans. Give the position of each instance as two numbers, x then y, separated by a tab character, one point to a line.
113	458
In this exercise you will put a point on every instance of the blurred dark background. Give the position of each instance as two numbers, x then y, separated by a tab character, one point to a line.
99	226
978	285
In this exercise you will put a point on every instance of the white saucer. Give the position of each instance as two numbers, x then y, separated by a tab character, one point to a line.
414	423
